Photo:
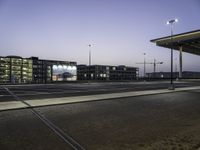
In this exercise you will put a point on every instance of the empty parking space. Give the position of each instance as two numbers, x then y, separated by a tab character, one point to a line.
169	121
21	130
5	96
30	92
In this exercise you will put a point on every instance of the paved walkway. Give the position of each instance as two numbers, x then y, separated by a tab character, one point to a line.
76	99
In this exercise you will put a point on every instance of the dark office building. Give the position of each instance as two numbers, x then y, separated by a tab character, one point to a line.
45	71
108	73
15	69
167	75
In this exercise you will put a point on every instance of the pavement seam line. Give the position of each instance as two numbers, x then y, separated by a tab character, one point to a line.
60	133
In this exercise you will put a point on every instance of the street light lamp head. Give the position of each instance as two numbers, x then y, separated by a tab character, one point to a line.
172	21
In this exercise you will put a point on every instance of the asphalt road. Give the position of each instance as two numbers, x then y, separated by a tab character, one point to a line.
163	121
31	92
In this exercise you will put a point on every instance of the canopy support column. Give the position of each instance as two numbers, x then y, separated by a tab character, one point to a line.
180	61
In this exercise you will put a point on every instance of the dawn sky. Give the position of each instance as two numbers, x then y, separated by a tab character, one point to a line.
118	30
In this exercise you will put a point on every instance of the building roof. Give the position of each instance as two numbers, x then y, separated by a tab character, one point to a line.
190	42
14	56
120	66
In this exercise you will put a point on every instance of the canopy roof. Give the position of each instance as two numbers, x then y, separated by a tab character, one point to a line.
190	42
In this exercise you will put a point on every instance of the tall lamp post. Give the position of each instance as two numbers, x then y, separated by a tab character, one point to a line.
89	54
172	22
144	66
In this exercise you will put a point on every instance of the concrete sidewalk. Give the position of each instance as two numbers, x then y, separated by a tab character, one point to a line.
77	99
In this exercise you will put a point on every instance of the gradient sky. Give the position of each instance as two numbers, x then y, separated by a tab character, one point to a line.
118	30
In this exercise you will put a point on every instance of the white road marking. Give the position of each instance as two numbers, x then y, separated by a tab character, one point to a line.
77	99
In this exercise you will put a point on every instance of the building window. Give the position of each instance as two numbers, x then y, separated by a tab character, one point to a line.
92	75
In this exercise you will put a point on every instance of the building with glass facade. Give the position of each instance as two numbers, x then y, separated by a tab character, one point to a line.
45	71
15	69
108	73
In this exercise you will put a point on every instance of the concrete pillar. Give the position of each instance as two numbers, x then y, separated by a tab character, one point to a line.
180	61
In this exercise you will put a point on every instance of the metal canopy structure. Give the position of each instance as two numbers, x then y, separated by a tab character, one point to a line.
185	42
189	41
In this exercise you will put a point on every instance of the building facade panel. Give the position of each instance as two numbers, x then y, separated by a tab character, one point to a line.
46	71
15	70
108	73
5	71
167	75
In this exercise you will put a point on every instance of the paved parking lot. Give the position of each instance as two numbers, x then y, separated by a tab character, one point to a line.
5	96
161	121
28	92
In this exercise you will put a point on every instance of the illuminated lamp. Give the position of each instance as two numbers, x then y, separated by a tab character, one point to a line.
74	68
64	67
55	67
59	67
69	68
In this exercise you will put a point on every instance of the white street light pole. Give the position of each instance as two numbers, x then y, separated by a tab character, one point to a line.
89	54
144	65
171	22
